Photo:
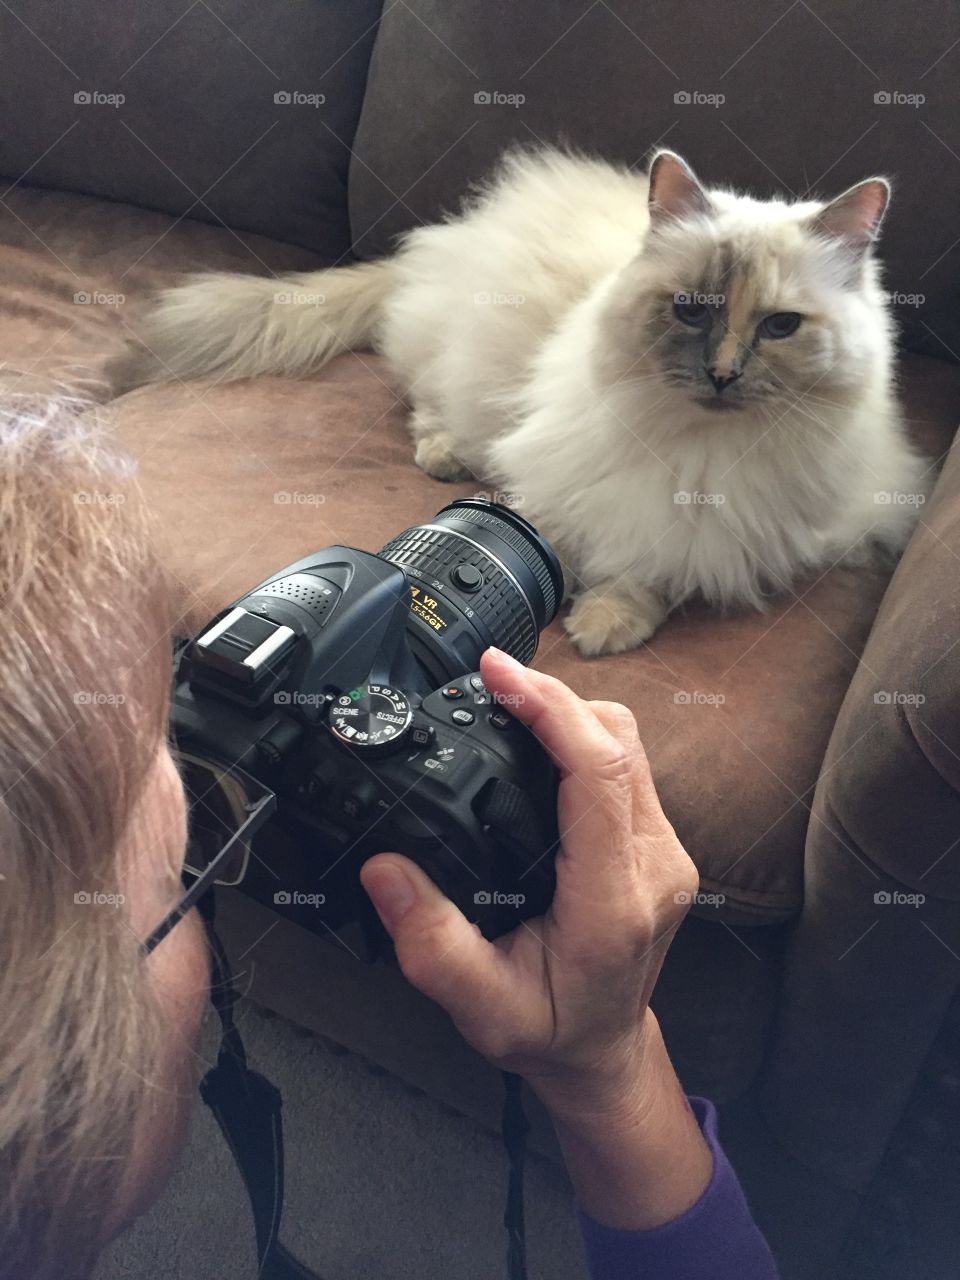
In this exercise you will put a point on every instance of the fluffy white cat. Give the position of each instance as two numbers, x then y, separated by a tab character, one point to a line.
688	390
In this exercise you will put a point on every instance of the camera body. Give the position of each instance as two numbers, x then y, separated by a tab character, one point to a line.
347	685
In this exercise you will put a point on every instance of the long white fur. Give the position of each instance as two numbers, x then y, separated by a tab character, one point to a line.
239	326
512	331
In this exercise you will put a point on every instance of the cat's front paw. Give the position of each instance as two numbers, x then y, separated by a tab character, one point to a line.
603	621
435	457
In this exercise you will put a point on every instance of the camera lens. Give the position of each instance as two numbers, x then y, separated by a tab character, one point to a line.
479	575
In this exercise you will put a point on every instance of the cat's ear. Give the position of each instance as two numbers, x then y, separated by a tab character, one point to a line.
675	192
855	217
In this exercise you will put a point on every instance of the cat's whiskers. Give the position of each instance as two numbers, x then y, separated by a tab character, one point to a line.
790	439
637	379
811	398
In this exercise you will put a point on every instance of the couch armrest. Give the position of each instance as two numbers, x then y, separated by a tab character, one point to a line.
875	958
892	772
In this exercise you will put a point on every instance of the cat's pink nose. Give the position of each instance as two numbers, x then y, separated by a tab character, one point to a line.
722	380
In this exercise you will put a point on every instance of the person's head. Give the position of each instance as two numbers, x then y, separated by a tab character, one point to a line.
95	1062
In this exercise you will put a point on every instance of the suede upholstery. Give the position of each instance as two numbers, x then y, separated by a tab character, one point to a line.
882	868
199	131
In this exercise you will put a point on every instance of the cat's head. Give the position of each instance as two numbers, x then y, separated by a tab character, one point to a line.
738	304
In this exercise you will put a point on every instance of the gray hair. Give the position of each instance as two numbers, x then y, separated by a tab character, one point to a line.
84	676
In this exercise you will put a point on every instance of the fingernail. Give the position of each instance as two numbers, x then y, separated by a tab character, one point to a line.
392	893
506	658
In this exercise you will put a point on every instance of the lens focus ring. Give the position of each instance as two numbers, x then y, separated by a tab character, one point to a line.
499	605
529	554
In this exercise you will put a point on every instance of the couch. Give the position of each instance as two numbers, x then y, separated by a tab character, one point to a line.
808	756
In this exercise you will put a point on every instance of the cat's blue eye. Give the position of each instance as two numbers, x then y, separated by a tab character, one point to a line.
687	311
780	325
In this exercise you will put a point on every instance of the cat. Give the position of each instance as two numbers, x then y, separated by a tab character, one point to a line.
691	391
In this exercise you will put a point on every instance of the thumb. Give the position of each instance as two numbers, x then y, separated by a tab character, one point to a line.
439	951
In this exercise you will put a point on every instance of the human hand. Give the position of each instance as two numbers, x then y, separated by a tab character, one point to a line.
563	999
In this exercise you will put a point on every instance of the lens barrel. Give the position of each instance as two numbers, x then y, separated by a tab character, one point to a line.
480	575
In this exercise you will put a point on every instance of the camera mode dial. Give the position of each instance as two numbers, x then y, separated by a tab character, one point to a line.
371	717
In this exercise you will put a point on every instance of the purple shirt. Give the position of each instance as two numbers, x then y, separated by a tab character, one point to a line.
716	1239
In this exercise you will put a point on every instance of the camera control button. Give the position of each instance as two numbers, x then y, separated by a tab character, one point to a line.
451	692
421	737
445	765
355	806
477	685
462	716
467	577
413	826
501	720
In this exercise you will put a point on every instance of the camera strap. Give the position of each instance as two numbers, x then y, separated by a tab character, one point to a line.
514	1129
248	1110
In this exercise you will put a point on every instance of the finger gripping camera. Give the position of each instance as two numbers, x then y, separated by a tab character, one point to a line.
347	685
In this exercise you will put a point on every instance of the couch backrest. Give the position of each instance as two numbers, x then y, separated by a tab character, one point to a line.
210	110
793	96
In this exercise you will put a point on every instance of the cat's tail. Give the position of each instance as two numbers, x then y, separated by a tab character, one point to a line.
237	326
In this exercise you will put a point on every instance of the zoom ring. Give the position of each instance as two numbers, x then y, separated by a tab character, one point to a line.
429	554
527	553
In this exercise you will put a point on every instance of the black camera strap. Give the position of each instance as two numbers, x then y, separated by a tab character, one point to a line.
248	1110
514	1129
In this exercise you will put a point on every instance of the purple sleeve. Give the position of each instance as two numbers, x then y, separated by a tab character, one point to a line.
716	1239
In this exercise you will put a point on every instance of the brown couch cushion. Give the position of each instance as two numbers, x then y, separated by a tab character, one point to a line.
199	130
894	784
799	82
248	477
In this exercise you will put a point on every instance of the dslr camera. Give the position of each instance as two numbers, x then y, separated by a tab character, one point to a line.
346	685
